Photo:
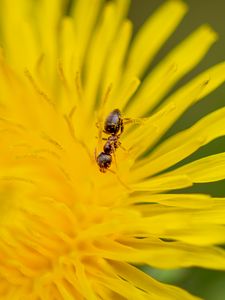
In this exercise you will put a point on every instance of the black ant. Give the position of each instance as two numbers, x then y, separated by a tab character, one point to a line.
114	125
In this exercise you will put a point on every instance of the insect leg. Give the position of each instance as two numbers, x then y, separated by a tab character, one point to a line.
134	121
96	155
123	148
120	180
114	157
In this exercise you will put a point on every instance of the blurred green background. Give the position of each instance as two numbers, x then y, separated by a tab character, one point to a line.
208	284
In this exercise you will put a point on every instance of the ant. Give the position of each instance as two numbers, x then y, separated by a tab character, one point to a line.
114	126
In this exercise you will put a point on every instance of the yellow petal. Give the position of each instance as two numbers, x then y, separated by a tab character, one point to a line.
84	15
193	92
122	288
208	128
69	49
19	39
214	215
177	200
173	254
113	71
198	235
154	289
97	55
154	33
183	228
169	223
207	169
182	145
180	61
159	184
64	291
87	289
148	133
51	12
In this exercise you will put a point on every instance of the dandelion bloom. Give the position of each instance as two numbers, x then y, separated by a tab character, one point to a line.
68	231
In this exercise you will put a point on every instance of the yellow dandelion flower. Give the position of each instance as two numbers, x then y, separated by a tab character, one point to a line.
67	230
